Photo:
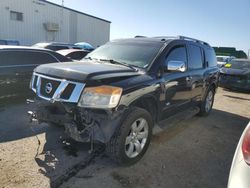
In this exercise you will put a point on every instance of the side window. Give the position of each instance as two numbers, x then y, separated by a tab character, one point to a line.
196	60
210	58
25	57
177	54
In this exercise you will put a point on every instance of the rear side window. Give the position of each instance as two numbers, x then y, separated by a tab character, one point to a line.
11	58
177	54
196	60
210	58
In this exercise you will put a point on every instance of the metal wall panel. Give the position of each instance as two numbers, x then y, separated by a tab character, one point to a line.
73	26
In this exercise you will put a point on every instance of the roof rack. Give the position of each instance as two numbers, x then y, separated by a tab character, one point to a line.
164	38
192	39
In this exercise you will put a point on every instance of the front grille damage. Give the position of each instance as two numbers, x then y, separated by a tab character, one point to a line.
83	125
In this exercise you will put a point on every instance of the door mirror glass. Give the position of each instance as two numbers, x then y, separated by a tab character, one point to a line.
179	66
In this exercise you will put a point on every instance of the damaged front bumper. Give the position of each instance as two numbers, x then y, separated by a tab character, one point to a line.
81	124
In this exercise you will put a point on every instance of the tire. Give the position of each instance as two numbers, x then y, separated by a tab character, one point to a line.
136	130
207	103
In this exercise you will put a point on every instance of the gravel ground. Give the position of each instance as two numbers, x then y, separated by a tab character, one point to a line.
194	153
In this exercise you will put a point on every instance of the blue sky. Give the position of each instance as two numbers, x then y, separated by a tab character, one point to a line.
219	22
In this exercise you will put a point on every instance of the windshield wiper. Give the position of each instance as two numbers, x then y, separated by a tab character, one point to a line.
119	63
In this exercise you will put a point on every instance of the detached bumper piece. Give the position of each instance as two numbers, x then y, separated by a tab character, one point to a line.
83	125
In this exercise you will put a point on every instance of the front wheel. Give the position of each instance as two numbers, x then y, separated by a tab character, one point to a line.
207	103
131	140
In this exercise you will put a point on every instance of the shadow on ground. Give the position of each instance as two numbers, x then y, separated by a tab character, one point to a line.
189	154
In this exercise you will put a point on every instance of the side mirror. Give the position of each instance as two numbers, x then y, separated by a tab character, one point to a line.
179	66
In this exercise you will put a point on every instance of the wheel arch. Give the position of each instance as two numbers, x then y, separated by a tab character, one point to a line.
148	103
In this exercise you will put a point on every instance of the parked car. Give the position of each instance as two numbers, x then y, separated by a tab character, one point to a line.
55	46
124	89
236	75
9	42
240	170
16	67
74	54
85	46
222	60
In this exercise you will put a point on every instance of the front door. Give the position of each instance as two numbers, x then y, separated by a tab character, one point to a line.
176	84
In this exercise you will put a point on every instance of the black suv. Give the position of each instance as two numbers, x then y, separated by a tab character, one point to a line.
124	89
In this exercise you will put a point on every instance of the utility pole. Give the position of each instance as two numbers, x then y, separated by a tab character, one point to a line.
248	54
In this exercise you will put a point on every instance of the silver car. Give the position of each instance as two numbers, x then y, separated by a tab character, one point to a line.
240	170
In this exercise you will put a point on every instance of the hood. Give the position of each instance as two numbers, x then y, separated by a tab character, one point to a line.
235	71
81	71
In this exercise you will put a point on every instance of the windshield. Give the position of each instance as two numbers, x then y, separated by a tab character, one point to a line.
135	54
238	65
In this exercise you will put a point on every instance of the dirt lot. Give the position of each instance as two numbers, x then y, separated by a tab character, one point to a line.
194	153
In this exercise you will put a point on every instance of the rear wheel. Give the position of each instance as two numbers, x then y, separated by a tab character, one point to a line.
207	103
131	140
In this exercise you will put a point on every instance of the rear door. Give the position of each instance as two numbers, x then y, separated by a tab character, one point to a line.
196	68
177	87
16	68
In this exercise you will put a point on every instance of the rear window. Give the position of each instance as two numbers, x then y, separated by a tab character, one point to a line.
11	58
196	61
210	58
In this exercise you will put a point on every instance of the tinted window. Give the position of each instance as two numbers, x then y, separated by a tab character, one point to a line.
24	57
77	55
56	48
177	54
60	57
210	58
196	61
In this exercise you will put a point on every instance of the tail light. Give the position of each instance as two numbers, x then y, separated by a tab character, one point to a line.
246	146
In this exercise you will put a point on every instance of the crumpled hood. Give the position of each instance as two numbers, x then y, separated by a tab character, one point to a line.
235	71
80	71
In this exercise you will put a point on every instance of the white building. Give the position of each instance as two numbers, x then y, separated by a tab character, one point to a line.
32	21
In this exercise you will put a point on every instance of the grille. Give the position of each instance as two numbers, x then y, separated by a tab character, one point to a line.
68	91
44	84
54	89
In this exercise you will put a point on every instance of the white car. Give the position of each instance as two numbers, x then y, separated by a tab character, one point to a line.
240	170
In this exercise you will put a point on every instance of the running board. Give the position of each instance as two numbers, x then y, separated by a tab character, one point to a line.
173	120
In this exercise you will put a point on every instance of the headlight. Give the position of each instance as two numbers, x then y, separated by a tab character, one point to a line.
100	97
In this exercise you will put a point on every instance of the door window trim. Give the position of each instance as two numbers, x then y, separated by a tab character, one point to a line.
173	48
